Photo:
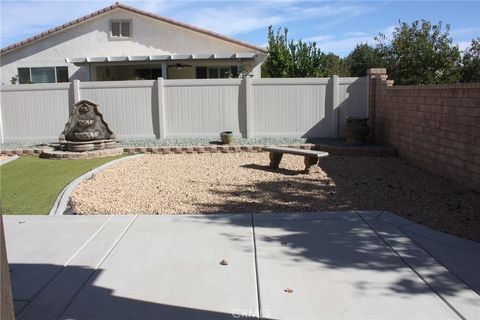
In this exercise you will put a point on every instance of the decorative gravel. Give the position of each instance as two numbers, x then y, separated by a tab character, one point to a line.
243	183
206	142
21	145
188	142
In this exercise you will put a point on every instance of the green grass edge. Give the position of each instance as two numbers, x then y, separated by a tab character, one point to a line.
30	184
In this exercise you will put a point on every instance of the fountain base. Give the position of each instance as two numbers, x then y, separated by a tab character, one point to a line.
58	154
81	146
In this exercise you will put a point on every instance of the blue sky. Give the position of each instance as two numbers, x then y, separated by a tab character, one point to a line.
336	26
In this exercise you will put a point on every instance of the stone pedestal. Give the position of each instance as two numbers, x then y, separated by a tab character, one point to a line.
275	159
311	164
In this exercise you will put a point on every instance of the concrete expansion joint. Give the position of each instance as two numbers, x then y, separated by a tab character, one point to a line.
417	273
88	241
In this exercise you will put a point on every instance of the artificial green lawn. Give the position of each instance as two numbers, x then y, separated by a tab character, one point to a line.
30	185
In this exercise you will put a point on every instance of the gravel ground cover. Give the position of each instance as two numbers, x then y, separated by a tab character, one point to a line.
243	183
145	143
19	145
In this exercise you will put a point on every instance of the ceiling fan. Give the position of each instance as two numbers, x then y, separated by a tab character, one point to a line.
179	66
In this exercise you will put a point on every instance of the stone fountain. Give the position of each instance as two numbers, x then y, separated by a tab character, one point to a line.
86	130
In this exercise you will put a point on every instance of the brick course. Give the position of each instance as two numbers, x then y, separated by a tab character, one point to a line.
436	127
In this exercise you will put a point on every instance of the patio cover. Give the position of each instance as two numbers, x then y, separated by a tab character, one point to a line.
195	56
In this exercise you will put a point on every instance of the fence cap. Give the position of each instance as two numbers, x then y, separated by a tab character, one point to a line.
376	71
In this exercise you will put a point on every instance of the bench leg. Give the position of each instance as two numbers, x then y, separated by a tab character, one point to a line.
275	159
311	164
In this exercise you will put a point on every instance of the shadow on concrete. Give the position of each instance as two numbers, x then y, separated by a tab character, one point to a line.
345	241
72	301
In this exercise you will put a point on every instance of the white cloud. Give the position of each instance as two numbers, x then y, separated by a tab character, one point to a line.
464	31
228	20
355	34
340	46
233	19
463	45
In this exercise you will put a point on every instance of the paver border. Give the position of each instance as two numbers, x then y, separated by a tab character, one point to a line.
332	149
60	205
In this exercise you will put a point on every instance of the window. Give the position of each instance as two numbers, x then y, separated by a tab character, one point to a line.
201	72
43	75
62	74
148	74
24	75
216	72
120	29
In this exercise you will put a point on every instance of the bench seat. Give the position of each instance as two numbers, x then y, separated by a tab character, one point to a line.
310	156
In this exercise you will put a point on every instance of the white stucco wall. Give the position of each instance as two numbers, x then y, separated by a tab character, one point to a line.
90	39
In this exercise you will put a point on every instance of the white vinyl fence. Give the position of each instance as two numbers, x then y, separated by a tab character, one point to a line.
300	107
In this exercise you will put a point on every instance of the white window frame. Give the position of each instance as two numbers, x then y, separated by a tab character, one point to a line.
218	68
54	70
120	37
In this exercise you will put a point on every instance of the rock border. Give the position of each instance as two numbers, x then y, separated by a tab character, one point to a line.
61	203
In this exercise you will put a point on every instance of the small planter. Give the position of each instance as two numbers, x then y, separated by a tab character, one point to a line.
227	137
356	130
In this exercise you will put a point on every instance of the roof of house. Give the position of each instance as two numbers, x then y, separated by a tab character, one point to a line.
134	10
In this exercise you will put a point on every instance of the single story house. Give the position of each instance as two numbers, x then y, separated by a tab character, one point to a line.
120	42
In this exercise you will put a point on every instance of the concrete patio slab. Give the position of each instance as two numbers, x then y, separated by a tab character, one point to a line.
365	265
33	241
169	268
459	256
338	268
442	281
50	303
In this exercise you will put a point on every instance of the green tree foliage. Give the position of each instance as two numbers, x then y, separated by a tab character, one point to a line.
334	65
362	58
298	59
471	62
420	53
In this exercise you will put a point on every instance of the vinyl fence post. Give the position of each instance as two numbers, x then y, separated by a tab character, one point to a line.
161	109
335	104
76	91
249	107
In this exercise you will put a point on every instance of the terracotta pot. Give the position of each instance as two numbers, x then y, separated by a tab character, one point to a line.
356	129
227	137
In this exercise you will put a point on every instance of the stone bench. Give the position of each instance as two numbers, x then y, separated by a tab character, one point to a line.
310	157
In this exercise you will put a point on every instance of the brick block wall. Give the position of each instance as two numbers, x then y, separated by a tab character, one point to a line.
436	127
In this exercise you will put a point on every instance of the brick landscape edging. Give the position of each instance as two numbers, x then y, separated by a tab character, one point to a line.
53	154
333	150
